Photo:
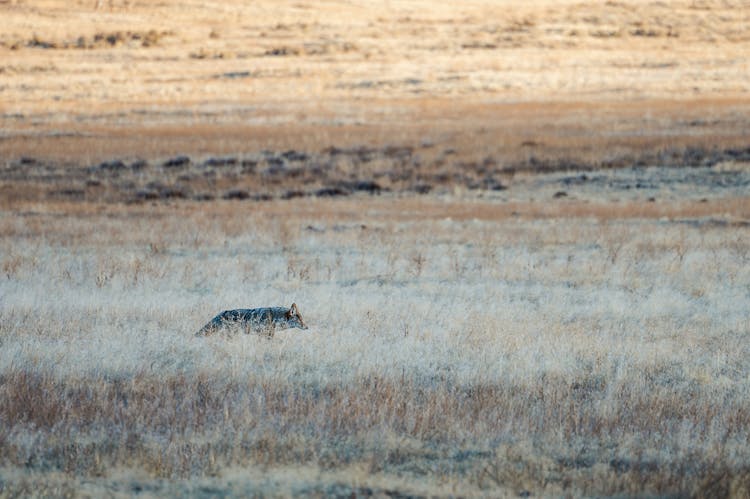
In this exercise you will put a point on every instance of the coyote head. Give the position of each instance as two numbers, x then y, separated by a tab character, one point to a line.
294	319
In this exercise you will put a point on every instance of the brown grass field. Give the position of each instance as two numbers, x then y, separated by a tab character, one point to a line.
519	232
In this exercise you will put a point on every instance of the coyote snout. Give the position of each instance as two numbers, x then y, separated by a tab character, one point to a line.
255	320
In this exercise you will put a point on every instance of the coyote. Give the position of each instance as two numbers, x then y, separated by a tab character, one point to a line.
257	320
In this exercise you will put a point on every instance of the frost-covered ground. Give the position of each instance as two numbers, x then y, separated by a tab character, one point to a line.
583	355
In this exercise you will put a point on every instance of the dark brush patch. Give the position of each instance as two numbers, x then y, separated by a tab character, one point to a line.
421	188
176	162
217	162
293	155
115	165
70	193
332	192
293	194
203	197
146	195
236	195
139	164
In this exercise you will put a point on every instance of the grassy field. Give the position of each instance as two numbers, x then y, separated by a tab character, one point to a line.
501	353
90	80
520	235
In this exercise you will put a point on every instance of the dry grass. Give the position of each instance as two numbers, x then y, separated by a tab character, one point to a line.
278	53
492	355
678	175
580	333
581	80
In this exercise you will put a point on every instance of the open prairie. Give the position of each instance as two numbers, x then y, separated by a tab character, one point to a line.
519	235
599	82
455	348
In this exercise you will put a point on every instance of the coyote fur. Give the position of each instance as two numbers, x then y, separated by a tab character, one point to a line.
255	320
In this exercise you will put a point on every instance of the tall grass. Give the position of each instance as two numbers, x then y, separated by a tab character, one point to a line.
554	356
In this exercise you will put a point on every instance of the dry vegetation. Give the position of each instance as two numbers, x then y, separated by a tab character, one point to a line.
589	81
520	234
697	171
501	353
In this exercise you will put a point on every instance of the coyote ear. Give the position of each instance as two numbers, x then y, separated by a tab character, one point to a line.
293	309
